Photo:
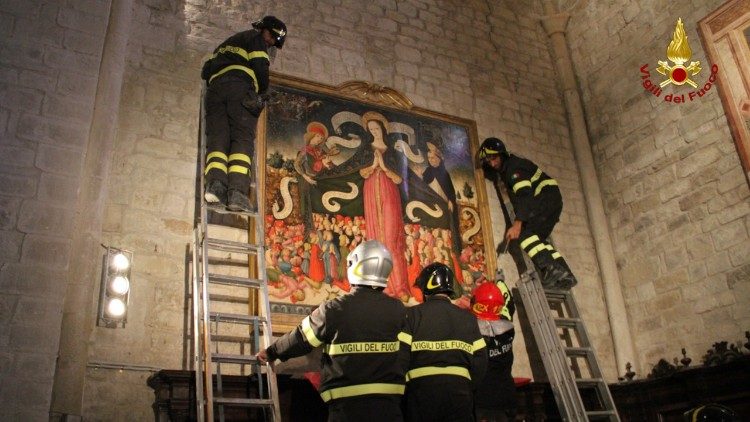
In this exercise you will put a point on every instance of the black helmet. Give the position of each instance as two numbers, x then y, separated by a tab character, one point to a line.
275	27
490	147
712	412
436	278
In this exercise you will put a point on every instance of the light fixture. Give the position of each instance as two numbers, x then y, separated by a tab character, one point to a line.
114	291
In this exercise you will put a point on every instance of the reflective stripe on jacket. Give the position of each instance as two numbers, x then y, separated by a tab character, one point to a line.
361	350
524	180
443	339
244	54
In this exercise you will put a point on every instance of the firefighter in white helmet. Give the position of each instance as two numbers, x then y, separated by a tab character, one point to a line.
362	374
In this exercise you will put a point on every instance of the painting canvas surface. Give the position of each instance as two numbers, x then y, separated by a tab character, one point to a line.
339	172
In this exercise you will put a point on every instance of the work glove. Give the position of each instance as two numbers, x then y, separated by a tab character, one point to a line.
255	103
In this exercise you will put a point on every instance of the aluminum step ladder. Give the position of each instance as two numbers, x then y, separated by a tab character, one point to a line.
226	340
569	358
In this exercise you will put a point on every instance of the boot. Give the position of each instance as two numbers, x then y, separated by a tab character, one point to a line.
216	192
550	276
567	282
238	201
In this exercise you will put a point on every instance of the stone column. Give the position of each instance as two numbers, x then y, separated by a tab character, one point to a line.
555	24
80	306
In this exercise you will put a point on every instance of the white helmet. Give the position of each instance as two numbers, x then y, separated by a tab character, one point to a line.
369	264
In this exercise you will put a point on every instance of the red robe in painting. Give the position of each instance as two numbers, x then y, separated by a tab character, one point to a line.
384	222
317	270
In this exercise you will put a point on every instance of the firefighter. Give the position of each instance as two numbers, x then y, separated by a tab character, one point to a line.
237	78
363	364
446	349
495	396
712	412
537	204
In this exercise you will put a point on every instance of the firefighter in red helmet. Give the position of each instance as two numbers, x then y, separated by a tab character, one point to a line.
495	395
447	353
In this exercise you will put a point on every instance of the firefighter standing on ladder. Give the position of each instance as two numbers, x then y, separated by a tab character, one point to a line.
363	362
237	78
537	204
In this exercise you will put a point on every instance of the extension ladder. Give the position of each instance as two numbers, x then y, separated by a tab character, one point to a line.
563	342
221	334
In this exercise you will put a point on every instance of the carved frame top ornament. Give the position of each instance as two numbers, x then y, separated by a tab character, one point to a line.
375	93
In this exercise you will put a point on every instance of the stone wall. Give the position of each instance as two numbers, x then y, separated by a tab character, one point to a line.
675	195
485	61
49	61
436	53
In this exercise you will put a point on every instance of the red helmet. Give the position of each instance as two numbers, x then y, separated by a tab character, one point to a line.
487	302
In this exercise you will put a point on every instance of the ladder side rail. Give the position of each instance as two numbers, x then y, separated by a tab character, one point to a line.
204	409
207	367
202	234
260	259
555	360
197	357
553	357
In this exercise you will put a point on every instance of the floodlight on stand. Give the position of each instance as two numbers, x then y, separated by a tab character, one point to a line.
114	290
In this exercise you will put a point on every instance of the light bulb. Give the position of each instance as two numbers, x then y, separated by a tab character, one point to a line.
116	308
119	285
120	262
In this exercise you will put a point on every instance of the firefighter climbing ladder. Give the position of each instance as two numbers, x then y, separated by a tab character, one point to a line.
215	339
562	339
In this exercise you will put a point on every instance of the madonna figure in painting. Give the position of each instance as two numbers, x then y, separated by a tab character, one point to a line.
382	200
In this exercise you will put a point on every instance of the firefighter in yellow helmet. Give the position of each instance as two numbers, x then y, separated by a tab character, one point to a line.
362	371
237	76
537	204
447	353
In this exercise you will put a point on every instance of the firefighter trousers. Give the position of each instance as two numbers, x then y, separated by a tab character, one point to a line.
369	408
439	398
230	132
535	232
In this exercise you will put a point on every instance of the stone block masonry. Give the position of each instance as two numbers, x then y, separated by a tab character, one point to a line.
680	152
44	122
478	60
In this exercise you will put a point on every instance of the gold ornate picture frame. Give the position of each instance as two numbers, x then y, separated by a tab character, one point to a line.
357	162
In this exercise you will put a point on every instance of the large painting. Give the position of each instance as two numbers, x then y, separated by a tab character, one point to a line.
358	162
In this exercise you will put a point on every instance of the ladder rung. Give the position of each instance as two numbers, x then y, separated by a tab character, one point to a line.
229	280
588	382
236	318
230	339
239	402
568	322
556	295
231	246
228	298
220	209
239	359
579	351
600	413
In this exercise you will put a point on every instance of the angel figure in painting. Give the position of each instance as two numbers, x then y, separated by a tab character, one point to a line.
314	157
